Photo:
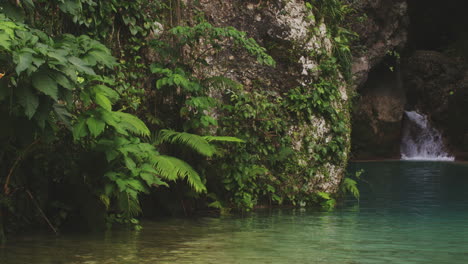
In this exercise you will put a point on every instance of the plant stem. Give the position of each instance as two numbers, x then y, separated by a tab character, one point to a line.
20	157
41	212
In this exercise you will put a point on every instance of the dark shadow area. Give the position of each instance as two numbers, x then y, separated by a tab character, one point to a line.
437	25
433	81
377	115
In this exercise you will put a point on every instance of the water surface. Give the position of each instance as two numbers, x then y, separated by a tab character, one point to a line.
410	212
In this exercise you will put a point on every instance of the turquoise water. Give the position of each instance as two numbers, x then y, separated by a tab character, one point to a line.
410	212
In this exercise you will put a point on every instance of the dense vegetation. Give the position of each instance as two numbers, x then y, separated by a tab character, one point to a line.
90	124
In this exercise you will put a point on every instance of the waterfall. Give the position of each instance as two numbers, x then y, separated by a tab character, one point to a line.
420	141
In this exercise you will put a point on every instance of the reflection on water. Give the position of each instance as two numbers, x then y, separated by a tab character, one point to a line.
410	212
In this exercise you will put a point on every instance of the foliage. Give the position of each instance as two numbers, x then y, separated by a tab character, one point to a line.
264	119
349	185
180	80
334	14
214	36
66	87
92	110
46	72
179	75
265	169
53	82
255	117
325	200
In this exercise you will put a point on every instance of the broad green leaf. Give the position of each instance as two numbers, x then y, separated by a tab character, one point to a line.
62	114
122	184
113	120
23	61
5	41
62	80
81	66
111	94
160	83
111	155
133	30
108	117
59	55
95	126
68	71
37	61
130	164
44	83
177	79
79	130
27	99
103	101
72	7
102	57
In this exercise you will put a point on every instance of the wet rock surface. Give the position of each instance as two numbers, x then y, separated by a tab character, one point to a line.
437	84
377	116
382	26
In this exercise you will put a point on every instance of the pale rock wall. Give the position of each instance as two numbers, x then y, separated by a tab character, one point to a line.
294	39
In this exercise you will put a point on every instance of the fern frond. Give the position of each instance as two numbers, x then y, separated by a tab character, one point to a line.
195	142
129	205
221	82
173	168
105	200
132	124
223	139
350	185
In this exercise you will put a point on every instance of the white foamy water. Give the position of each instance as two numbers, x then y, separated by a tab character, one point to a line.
421	141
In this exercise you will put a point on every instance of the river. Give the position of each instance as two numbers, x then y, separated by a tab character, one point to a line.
409	212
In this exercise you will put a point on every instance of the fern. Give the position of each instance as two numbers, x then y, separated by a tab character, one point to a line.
195	142
173	168
132	124
223	139
350	186
326	201
223	83
129	205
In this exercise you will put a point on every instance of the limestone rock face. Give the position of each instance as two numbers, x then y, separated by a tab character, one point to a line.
280	26
294	39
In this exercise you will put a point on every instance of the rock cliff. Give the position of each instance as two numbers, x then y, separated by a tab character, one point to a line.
383	31
300	43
